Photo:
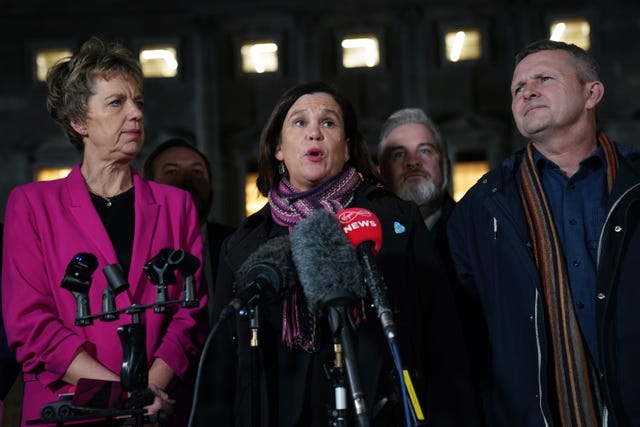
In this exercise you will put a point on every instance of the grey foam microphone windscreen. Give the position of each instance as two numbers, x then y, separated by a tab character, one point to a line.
326	262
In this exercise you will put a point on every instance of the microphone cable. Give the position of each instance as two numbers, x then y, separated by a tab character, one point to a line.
205	352
395	351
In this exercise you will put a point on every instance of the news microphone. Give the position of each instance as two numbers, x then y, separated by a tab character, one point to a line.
116	283
77	279
331	280
187	264
364	231
160	273
269	268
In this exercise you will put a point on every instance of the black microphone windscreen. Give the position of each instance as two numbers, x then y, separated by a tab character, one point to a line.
326	262
275	252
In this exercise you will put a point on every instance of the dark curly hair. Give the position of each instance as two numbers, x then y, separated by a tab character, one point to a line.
359	157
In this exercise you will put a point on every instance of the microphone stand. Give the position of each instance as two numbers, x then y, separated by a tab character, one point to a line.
337	415
340	325
377	290
254	326
134	371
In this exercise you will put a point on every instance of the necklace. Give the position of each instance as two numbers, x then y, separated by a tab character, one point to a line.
106	199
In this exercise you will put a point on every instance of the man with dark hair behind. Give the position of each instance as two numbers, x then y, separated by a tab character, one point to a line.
179	163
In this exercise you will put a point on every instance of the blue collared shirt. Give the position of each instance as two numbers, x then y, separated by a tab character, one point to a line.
578	205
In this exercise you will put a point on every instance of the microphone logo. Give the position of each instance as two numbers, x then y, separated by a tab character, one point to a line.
347	216
361	225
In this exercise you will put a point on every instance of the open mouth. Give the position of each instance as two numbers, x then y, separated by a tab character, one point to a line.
314	153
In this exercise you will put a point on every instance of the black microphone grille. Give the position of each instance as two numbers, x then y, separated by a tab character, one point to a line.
327	264
275	254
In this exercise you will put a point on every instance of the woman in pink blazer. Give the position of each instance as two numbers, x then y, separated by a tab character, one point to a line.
104	208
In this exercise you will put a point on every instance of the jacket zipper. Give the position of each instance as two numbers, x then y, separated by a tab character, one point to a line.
604	227
605	411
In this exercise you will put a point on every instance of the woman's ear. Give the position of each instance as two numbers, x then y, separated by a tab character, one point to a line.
346	150
278	154
78	127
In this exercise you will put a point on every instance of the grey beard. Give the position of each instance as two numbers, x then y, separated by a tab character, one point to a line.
420	193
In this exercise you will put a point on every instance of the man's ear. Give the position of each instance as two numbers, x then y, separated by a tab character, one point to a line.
595	94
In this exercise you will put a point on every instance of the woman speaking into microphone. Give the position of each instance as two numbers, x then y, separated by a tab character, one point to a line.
311	157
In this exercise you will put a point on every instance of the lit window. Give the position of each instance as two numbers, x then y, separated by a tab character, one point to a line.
360	51
51	173
159	61
463	45
259	57
573	31
46	58
468	168
254	201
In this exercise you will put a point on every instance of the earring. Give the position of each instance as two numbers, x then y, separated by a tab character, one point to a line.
281	168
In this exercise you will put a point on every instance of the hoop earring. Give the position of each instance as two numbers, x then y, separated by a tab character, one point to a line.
281	168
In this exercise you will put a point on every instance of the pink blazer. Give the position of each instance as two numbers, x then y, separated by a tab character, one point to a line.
46	224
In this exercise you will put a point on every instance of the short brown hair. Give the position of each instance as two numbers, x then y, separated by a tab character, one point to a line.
70	81
585	64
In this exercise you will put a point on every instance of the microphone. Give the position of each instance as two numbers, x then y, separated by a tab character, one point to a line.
331	280
364	231
116	283
187	264
77	279
327	266
160	273
269	268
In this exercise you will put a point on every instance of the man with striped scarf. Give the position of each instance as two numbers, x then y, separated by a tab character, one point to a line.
548	244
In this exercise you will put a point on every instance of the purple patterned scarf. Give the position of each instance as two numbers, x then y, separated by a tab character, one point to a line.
288	206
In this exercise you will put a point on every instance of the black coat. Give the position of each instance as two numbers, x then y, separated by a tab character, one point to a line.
9	368
294	390
216	233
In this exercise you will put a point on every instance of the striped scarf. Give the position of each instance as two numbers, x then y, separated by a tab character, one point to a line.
288	205
578	401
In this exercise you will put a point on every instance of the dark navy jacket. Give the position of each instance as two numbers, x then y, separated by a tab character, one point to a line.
492	251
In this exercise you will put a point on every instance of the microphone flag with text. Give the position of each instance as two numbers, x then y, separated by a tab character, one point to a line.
331	280
364	231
